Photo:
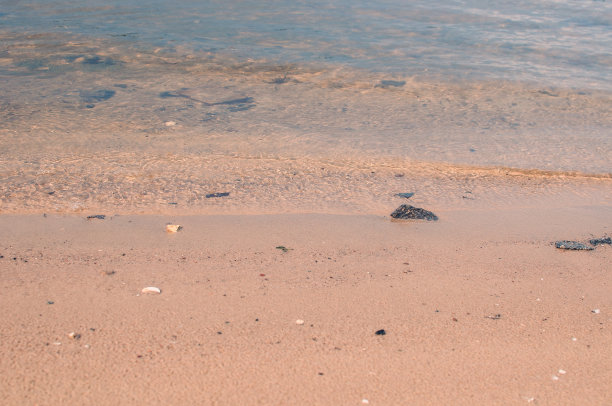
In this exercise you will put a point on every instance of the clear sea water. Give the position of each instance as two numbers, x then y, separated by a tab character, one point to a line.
549	42
522	84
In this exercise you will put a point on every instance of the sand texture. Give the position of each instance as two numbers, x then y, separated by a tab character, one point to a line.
471	315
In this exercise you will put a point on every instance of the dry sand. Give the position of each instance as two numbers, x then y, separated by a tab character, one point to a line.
478	308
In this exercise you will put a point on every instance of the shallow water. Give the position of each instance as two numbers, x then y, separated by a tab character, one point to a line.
97	99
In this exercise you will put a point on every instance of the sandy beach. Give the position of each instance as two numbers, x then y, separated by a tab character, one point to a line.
477	308
280	138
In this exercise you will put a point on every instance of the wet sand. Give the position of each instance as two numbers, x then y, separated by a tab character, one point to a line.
478	307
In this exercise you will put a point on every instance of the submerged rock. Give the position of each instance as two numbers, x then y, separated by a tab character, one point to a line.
572	245
406	211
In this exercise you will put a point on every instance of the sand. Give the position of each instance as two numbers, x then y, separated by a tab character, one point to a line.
478	307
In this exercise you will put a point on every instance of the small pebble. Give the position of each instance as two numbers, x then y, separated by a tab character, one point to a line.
173	228
74	336
562	372
381	332
555	378
596	311
170	123
151	289
299	322
365	401
574	339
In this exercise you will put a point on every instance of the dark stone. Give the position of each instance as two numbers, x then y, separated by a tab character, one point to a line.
381	332
601	241
50	302
97	95
572	245
406	211
241	107
391	83
90	106
405	195
96	216
222	194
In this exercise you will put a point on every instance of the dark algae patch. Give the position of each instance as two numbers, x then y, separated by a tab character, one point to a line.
96	95
407	212
391	83
243	102
573	245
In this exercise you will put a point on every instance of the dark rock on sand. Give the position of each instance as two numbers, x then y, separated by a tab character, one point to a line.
601	241
572	245
406	211
381	332
405	195
222	194
96	216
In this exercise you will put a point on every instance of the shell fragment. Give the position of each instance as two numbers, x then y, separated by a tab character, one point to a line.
173	228
151	289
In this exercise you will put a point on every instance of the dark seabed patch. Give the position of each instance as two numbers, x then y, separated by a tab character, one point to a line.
391	83
221	194
244	100
96	95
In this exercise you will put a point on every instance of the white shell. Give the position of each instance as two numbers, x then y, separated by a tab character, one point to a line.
299	322
173	228
151	289
170	123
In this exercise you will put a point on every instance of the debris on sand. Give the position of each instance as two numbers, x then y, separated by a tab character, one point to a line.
173	228
405	195
601	241
406	211
380	332
222	194
96	216
573	245
151	289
